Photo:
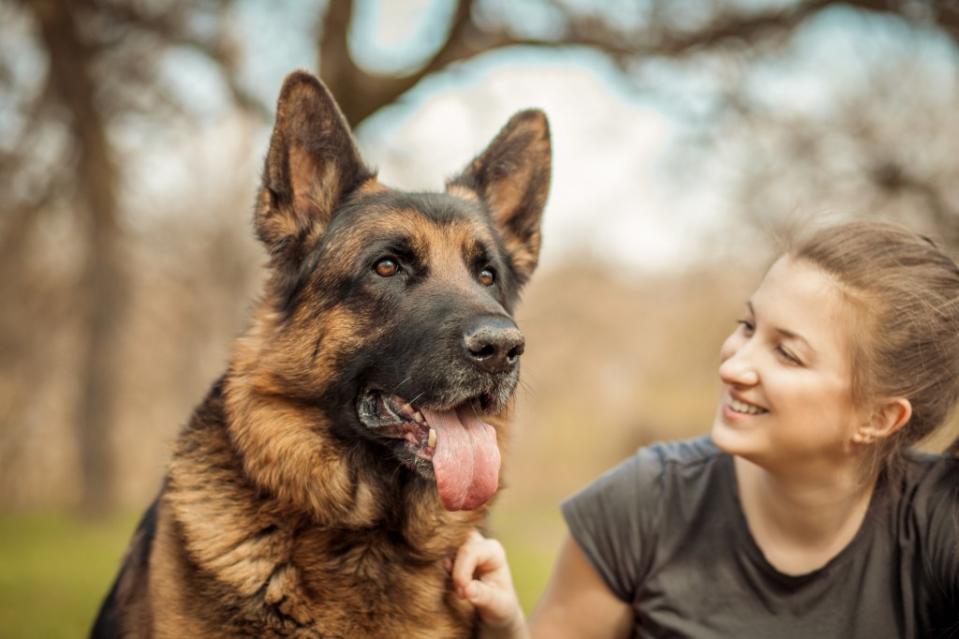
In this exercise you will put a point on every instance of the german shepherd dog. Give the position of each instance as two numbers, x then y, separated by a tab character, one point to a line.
354	440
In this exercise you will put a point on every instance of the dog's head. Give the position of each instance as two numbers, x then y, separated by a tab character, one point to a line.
393	309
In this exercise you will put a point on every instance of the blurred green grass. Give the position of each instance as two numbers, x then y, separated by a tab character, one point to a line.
56	568
532	535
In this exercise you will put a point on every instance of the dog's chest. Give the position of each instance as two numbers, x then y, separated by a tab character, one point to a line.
370	585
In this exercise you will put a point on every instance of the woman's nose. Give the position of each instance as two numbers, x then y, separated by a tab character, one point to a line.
737	367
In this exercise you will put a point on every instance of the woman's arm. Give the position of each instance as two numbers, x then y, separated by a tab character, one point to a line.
577	603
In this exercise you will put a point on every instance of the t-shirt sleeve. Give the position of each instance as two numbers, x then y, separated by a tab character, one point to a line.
612	521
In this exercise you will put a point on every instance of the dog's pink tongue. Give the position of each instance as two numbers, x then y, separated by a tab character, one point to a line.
466	460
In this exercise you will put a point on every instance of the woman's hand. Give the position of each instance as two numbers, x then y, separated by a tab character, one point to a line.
481	576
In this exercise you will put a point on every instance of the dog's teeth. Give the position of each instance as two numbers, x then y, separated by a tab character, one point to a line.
418	417
431	440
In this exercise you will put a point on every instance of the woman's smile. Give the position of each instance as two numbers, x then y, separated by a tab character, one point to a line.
737	408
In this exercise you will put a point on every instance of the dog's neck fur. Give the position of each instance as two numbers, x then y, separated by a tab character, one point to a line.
218	495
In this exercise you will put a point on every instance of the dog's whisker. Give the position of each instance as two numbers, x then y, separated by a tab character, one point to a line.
396	388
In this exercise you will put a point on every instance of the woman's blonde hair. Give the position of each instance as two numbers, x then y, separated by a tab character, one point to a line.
905	294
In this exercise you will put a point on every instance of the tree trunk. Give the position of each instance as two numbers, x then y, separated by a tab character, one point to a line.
101	285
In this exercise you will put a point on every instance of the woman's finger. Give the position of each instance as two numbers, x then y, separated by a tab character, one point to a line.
494	605
480	558
467	558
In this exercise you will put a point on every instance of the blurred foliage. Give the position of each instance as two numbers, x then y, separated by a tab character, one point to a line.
56	569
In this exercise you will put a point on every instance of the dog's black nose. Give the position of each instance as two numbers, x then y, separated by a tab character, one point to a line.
493	343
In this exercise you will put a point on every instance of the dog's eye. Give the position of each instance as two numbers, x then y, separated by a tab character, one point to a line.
487	277
386	267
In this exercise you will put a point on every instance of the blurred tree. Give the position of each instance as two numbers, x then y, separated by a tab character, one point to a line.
103	62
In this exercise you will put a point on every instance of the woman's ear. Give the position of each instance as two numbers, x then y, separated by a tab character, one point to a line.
886	419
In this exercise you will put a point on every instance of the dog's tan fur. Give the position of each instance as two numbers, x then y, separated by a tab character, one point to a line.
268	525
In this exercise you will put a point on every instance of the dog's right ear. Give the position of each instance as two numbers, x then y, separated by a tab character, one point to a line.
312	164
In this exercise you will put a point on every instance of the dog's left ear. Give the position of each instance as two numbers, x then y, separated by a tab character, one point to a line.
512	178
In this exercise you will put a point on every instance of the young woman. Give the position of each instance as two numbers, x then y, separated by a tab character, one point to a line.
805	513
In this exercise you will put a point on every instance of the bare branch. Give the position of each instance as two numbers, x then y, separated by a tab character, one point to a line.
171	29
742	27
361	93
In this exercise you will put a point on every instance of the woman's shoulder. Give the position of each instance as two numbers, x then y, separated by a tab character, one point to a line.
678	460
932	469
619	517
928	480
660	465
931	461
927	518
925	501
688	452
654	476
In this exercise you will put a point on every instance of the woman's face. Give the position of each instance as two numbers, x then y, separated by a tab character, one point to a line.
786	372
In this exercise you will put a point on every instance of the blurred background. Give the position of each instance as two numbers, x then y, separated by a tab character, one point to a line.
689	137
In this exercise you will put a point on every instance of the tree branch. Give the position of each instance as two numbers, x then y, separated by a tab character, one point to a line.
171	30
362	93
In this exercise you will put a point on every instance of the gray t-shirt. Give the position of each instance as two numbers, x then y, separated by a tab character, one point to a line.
666	533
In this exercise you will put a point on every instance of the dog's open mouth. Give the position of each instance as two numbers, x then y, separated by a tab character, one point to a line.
455	443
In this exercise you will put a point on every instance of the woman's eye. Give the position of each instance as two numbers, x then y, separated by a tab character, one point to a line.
746	325
789	356
386	267
487	277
